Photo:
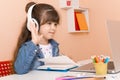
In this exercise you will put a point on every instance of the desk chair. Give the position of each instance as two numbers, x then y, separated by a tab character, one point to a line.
6	68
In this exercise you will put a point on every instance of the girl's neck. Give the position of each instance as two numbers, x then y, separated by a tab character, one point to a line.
44	42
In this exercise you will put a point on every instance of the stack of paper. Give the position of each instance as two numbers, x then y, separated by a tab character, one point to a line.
60	63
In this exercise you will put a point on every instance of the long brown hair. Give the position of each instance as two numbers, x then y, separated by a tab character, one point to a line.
43	13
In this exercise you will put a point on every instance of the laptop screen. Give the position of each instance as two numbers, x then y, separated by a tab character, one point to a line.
113	30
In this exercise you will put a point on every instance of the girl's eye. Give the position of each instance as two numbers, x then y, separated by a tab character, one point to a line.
49	23
55	24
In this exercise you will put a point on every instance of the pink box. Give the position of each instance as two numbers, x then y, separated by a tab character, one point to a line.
68	2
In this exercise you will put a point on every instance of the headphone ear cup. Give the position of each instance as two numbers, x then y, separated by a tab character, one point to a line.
36	23
29	18
28	25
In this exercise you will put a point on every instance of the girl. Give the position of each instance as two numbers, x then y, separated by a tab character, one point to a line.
35	40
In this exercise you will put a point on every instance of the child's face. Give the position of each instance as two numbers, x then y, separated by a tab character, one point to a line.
48	30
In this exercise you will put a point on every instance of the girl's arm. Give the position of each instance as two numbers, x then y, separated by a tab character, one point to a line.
25	57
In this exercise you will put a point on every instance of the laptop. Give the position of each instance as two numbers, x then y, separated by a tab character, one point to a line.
113	32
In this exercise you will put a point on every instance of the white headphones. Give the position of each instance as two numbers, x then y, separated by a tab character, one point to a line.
29	17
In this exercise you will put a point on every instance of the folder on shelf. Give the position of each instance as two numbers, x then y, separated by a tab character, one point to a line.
60	63
81	21
77	28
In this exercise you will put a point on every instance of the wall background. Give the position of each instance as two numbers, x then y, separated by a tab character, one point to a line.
77	46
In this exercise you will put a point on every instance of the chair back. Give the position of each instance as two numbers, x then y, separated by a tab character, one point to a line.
6	68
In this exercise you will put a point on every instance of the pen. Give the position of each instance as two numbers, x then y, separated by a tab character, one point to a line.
75	78
93	60
106	60
102	58
97	59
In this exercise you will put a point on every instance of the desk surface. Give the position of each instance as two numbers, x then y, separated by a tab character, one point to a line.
43	75
52	75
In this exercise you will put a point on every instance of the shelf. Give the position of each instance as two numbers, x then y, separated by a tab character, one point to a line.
65	4
77	17
71	19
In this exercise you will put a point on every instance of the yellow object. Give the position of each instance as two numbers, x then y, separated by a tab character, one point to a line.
100	68
81	21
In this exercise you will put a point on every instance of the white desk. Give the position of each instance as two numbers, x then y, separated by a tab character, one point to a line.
40	75
35	75
52	75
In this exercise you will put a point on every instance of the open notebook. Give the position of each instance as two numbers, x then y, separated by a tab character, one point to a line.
60	63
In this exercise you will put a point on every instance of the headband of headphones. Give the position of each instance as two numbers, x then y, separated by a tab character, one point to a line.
29	18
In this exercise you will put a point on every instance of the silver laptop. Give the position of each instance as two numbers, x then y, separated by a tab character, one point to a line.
113	32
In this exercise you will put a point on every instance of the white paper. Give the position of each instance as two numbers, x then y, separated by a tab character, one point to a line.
56	67
58	60
57	63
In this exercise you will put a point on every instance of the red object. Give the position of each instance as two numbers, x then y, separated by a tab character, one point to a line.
68	2
6	68
77	28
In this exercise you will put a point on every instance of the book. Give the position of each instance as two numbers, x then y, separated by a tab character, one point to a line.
59	63
81	21
77	28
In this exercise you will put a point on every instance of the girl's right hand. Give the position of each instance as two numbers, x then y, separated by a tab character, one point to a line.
36	37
